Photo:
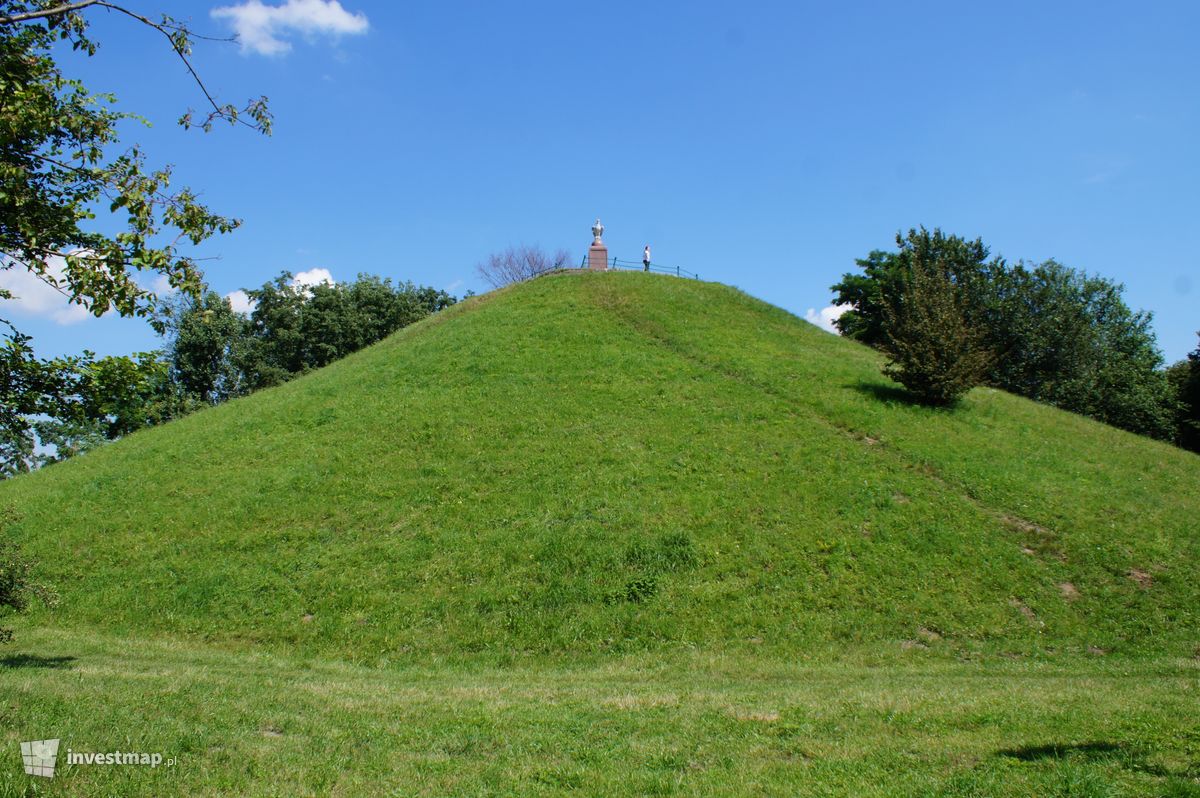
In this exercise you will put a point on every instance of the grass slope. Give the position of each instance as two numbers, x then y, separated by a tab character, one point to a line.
619	535
620	463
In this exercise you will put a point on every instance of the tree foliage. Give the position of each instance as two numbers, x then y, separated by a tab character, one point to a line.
216	354
884	275
114	396
93	400
1185	380
58	165
1057	335
933	351
212	354
1068	339
62	168
296	328
29	387
206	347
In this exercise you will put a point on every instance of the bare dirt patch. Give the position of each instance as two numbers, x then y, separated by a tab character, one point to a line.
1038	539
1068	590
1029	614
1025	525
1143	579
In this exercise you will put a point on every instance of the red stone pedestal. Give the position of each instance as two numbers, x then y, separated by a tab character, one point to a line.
598	257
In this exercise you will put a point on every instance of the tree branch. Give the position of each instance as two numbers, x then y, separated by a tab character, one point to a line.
219	111
46	12
165	29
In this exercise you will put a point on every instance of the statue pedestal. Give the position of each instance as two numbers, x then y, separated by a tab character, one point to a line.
598	257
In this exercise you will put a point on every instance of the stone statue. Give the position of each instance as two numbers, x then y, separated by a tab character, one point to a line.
597	253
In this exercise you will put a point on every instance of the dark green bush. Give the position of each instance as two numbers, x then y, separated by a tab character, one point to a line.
1056	335
934	352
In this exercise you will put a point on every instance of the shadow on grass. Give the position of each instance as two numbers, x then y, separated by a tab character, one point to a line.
886	393
1128	757
894	394
34	661
1089	750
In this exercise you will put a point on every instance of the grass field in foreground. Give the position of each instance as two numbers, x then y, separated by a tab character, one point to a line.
258	723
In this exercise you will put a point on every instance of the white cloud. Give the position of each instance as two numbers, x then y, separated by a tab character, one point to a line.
826	316
262	28
313	277
161	286
240	301
454	286
34	297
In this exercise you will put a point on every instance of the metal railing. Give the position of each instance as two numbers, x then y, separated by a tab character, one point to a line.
638	266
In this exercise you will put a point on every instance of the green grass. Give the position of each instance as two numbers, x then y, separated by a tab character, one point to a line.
682	724
485	525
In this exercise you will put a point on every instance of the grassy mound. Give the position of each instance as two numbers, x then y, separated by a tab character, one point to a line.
622	462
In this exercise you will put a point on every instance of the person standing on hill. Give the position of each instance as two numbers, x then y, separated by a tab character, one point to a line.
646	258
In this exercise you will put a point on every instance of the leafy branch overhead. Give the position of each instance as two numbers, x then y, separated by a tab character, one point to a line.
56	168
177	33
62	166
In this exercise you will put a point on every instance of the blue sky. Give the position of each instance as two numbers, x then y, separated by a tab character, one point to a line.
765	145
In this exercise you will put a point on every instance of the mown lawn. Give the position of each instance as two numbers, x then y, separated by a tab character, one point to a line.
895	721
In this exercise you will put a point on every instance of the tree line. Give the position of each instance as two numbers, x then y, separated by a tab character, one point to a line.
951	316
211	354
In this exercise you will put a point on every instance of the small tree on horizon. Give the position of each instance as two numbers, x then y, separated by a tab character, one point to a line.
934	352
519	263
